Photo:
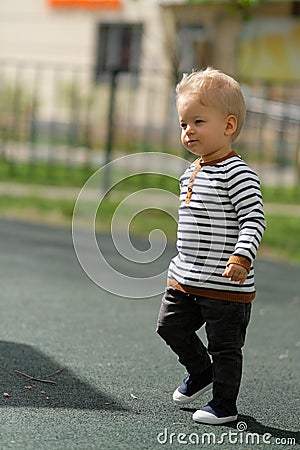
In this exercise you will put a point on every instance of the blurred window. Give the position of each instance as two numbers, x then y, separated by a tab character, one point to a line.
118	48
195	39
296	8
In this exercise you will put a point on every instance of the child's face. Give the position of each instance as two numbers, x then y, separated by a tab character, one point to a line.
205	131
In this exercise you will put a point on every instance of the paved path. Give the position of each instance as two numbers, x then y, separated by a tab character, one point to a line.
115	390
71	193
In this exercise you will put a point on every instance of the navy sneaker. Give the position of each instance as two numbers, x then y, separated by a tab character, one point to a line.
217	412
193	386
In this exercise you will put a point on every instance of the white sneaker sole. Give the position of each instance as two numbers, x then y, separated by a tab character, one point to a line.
181	399
209	418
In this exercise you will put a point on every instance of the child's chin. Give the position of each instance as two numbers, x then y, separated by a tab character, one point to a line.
193	151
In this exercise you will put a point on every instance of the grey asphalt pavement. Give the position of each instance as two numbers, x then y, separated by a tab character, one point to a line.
114	392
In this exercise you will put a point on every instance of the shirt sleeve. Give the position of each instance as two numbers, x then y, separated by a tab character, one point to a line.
245	194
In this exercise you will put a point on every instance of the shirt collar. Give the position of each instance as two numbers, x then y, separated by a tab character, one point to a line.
198	161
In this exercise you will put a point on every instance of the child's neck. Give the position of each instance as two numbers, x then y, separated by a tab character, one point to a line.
215	155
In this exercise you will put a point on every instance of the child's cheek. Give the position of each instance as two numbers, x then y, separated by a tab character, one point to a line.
182	137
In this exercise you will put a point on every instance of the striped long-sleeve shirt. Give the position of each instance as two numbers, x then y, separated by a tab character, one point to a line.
221	221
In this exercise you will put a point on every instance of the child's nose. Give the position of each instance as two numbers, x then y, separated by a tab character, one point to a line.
189	129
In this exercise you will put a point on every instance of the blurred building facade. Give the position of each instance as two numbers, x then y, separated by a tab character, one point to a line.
155	35
58	57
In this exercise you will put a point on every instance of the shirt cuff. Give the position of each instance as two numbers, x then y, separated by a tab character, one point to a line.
241	261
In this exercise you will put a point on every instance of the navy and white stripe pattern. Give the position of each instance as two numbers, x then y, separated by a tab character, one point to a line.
223	218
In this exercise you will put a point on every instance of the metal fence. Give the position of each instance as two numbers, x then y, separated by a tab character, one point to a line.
56	119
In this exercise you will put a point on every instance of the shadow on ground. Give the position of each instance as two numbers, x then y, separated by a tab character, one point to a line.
253	426
68	392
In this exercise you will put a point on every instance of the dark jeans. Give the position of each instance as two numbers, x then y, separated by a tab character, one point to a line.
181	315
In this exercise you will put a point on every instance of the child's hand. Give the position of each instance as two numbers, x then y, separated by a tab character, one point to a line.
235	272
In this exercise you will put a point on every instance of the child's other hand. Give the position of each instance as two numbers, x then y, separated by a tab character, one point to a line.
235	272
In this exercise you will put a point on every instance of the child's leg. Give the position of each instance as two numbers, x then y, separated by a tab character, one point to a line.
226	324
179	318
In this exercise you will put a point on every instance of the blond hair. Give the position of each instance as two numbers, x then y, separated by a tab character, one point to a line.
217	89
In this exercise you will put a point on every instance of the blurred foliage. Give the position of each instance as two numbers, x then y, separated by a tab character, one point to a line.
15	97
244	7
236	3
280	194
281	239
44	174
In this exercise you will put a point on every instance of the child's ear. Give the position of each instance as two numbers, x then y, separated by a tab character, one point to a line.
231	125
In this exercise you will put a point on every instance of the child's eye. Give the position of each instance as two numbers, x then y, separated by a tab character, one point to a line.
199	121
183	125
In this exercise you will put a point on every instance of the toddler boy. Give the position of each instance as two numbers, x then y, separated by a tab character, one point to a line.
220	226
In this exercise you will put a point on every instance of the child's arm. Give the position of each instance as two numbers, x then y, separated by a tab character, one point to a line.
245	195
